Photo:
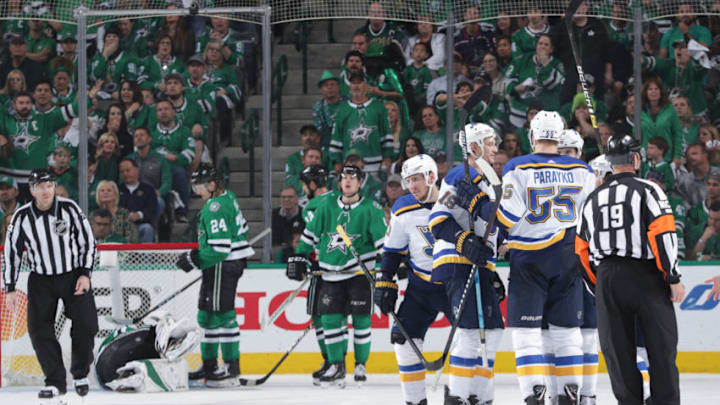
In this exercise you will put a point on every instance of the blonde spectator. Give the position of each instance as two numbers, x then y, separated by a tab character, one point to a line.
709	136
107	155
399	131
108	197
14	84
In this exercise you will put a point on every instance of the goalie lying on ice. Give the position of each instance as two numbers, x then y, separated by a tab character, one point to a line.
148	358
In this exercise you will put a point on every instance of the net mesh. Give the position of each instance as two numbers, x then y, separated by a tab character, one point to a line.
406	10
145	278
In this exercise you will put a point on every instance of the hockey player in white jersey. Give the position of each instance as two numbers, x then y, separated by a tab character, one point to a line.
409	235
541	193
456	250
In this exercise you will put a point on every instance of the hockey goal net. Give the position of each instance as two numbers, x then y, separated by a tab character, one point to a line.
127	281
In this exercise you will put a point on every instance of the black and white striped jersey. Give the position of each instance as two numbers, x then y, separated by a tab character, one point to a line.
57	241
628	216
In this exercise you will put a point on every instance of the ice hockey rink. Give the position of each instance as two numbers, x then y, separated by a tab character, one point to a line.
703	389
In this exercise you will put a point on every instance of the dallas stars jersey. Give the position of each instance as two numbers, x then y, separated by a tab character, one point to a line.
187	115
364	222
123	66
362	129
542	195
445	213
222	231
548	80
203	93
419	79
524	40
154	71
409	233
231	40
308	213
31	138
177	140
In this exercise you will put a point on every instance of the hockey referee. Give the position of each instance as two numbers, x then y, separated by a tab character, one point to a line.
61	253
627	232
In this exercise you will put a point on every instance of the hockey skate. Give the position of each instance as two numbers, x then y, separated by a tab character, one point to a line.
207	368
538	396
588	400
225	376
453	400
51	396
569	396
359	374
318	373
82	386
335	375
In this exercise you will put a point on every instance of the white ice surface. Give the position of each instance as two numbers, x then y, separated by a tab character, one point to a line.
703	389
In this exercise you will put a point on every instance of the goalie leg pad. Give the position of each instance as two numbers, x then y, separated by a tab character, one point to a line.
412	371
567	344
532	365
463	362
590	362
157	375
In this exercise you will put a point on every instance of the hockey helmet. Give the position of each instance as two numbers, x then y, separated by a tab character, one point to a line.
601	166
420	164
314	173
353	170
174	339
204	174
477	132
38	176
570	138
546	125
621	148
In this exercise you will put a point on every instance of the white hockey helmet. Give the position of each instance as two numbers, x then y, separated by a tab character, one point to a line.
420	164
601	166
570	138
477	132
546	125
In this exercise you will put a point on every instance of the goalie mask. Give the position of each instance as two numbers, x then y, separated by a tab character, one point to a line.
420	164
477	132
570	138
547	125
174	339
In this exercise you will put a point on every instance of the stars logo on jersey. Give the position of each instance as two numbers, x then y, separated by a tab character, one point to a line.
23	140
336	242
214	206
360	133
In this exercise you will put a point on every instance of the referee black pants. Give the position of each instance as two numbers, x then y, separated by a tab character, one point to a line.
630	291
43	295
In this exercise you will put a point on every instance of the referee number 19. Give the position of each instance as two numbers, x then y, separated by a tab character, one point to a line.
612	216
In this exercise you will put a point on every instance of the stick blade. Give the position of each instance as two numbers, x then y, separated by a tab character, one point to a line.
488	172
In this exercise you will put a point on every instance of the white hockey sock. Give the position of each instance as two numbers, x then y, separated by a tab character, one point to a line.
412	371
483	382
549	353
532	366
643	365
463	360
590	361
567	343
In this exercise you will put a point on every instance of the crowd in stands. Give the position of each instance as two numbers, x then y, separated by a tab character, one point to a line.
155	87
393	78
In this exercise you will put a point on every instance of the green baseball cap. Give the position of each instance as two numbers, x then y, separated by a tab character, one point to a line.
66	35
8	180
327	75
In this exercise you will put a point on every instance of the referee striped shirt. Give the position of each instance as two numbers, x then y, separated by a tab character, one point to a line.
628	217
57	241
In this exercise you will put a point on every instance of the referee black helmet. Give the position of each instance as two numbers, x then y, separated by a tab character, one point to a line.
621	149
204	174
38	176
314	173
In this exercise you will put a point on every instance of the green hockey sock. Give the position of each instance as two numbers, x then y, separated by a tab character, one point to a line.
209	351
332	328
221	330
319	334
361	337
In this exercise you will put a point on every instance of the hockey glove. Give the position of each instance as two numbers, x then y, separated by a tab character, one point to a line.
499	287
188	261
386	293
470	246
297	267
469	197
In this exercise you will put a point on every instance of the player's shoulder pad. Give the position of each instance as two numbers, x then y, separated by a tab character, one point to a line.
543	160
405	204
457	174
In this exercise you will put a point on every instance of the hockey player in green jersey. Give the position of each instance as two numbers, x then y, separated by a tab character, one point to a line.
362	125
364	222
221	255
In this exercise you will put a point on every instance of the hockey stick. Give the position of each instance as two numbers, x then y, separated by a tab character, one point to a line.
370	279
124	321
245	381
572	9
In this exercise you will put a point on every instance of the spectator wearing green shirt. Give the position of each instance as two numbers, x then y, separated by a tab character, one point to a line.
63	92
159	66
40	47
65	174
697	216
657	146
686	24
310	156
708	246
325	109
709	136
224	77
114	64
101	223
230	47
661	119
524	39
42	95
676	205
689	122
418	75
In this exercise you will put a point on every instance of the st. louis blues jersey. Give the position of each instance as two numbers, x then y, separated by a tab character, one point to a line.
409	233
447	218
542	196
